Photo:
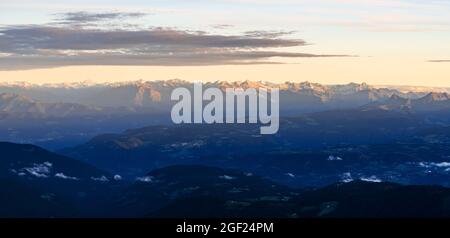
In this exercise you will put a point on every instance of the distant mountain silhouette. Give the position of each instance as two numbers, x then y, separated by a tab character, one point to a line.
17	106
432	102
62	115
156	94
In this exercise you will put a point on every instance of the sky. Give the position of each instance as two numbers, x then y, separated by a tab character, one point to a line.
380	42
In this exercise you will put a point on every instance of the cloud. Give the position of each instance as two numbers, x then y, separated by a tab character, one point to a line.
371	179
434	164
268	34
346	177
146	179
290	175
222	26
89	17
226	177
100	179
39	170
334	158
47	46
63	176
32	39
439	61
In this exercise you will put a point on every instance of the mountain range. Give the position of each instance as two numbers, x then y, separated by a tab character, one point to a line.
62	115
429	103
152	93
38	183
349	150
18	106
153	97
310	150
